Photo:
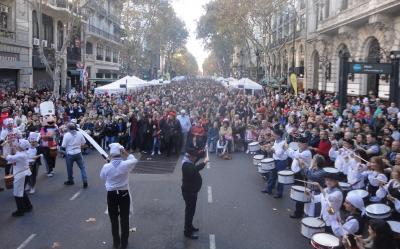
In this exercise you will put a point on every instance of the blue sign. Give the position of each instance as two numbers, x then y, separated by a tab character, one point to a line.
357	68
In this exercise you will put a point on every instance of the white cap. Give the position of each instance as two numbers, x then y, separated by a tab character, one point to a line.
183	111
24	144
8	121
115	149
33	136
356	201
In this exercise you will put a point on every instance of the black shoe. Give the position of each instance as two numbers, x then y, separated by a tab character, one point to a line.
266	192
295	216
17	213
68	183
124	246
28	209
194	229
85	185
278	196
191	236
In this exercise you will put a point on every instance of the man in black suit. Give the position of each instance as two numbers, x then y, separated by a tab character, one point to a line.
191	185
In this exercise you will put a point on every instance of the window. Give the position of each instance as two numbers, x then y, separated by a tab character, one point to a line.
115	56
88	70
5	14
345	4
35	28
48	29
107	75
99	75
108	53
60	35
100	51
89	48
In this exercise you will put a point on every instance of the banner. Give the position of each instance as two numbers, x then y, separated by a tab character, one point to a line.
293	81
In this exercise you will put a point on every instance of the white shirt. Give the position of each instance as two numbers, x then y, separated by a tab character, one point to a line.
305	156
354	176
32	151
334	199
73	142
351	226
383	191
374	178
185	122
116	173
21	166
279	151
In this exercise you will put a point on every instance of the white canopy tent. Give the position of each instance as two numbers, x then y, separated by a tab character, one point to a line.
122	85
246	84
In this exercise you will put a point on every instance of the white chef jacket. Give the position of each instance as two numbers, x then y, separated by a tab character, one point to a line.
32	151
350	226
279	151
20	170
374	178
335	198
354	176
305	155
339	156
11	137
72	142
116	173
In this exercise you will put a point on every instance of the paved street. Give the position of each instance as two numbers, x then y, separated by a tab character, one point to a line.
230	208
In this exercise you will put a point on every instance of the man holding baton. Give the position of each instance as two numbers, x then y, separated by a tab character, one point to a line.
191	185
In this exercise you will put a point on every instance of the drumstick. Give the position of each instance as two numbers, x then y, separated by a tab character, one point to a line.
306	182
354	154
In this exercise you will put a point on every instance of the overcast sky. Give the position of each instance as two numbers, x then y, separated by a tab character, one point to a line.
190	11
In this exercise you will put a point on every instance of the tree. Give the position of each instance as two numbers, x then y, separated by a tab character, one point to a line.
211	66
183	63
75	12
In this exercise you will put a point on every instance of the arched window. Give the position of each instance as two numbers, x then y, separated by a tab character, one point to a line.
35	28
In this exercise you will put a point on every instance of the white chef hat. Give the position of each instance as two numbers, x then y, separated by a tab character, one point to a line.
24	144
356	201
115	149
33	136
8	121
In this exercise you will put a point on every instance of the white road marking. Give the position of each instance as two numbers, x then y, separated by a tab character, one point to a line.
209	192
75	195
212	241
26	242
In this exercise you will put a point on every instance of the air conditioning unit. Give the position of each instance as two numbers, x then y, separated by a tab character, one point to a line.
53	46
44	43
36	42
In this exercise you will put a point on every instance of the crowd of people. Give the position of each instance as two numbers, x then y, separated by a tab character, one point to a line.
361	141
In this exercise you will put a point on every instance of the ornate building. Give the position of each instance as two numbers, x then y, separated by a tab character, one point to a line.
367	29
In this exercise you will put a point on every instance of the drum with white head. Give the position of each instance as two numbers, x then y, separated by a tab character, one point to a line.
378	211
395	226
298	193
360	192
268	164
286	177
331	170
311	226
254	147
325	241
345	186
257	159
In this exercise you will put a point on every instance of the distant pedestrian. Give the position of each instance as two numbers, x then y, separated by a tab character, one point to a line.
73	141
191	185
116	177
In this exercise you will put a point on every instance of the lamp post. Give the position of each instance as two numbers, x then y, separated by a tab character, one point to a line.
394	79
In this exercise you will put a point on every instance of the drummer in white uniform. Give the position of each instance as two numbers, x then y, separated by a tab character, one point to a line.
331	199
341	156
280	159
354	222
20	160
376	176
116	177
301	159
391	191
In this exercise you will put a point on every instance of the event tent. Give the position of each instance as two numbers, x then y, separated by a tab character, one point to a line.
122	85
246	84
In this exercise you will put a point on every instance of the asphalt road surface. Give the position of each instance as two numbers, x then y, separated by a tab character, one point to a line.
231	211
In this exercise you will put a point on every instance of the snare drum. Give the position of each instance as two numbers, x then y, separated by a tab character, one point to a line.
254	146
395	226
331	170
297	193
53	152
360	192
286	177
311	226
345	186
9	181
260	170
257	159
268	164
324	241
378	211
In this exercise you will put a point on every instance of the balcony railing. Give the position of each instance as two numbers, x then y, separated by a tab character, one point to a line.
4	33
94	30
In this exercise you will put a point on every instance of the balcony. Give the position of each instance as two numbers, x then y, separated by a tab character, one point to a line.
58	3
4	33
50	55
103	34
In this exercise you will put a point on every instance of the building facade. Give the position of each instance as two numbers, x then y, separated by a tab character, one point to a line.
366	29
15	48
103	41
